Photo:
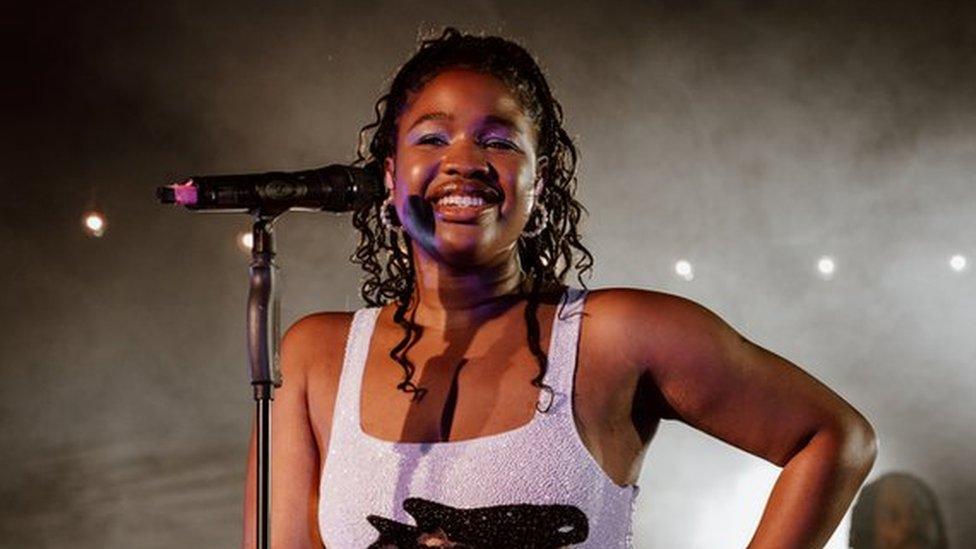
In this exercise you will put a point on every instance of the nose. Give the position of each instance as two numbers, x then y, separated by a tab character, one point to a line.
466	159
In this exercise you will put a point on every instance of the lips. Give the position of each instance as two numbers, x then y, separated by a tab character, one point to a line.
463	201
465	188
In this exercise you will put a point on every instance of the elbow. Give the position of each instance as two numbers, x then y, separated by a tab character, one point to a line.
858	444
848	443
869	446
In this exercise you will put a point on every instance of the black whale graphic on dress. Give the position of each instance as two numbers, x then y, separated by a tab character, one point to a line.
520	525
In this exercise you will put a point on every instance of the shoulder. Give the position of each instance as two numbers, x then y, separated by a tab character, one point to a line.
613	309
312	344
632	300
312	327
648	327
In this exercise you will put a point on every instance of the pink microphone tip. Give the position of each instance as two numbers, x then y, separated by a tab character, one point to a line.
185	193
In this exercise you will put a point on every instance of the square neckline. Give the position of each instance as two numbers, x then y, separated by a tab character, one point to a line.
557	323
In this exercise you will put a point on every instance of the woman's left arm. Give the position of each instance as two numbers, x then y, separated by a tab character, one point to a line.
715	380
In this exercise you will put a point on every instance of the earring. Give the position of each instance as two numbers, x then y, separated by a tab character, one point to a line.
539	207
385	218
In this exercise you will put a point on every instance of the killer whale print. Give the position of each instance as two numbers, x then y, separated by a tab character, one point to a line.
520	525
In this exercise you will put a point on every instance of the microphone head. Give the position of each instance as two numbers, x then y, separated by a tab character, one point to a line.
348	187
369	180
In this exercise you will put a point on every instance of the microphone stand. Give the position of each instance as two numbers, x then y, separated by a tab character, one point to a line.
335	188
263	331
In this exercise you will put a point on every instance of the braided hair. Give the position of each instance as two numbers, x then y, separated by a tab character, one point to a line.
385	255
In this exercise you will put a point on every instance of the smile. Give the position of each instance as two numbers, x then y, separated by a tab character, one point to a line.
463	201
459	208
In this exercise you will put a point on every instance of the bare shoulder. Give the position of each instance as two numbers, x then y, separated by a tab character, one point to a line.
311	329
313	345
642	320
657	333
626	303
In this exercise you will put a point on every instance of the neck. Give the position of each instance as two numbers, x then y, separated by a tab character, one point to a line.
448	298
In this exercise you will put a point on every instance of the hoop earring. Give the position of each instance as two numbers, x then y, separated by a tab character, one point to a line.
385	218
539	207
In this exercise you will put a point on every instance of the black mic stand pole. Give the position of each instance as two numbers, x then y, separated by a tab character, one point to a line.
263	330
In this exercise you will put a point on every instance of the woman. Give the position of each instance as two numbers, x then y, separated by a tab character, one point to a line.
481	403
897	511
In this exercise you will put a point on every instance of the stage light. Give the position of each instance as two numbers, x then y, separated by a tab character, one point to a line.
826	267
245	241
94	223
958	263
684	270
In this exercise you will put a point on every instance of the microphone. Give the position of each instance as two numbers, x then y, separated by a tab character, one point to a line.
334	188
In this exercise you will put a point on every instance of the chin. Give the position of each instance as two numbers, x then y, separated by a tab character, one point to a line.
462	245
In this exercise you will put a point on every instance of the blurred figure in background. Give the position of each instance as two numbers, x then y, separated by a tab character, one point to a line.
897	511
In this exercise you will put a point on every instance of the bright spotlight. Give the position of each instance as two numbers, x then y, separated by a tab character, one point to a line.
94	223
684	270
246	241
826	267
958	263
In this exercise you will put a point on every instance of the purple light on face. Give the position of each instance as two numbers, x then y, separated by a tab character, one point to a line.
185	193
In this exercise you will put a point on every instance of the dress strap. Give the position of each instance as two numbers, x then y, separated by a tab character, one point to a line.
563	345
346	421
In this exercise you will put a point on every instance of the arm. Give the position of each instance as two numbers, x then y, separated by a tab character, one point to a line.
717	381
295	456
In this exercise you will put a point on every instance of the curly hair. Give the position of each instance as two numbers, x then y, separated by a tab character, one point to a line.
385	255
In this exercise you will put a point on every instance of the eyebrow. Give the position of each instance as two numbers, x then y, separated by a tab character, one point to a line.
439	115
490	120
493	120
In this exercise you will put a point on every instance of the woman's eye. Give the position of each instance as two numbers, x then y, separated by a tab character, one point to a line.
431	140
499	143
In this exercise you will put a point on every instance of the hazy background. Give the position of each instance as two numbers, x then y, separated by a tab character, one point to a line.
747	138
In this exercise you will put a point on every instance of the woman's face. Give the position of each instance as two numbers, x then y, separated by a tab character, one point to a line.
895	522
464	173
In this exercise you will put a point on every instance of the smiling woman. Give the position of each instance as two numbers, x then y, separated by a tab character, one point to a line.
461	123
446	422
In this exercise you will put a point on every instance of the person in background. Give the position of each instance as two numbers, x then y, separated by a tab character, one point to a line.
897	511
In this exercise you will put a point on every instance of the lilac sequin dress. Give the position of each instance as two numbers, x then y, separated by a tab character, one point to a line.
533	486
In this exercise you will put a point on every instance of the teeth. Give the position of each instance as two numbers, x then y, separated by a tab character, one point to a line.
459	200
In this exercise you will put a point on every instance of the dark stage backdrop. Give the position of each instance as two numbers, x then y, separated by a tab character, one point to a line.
746	138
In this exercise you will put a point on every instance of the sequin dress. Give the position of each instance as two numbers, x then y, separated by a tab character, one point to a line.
533	486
